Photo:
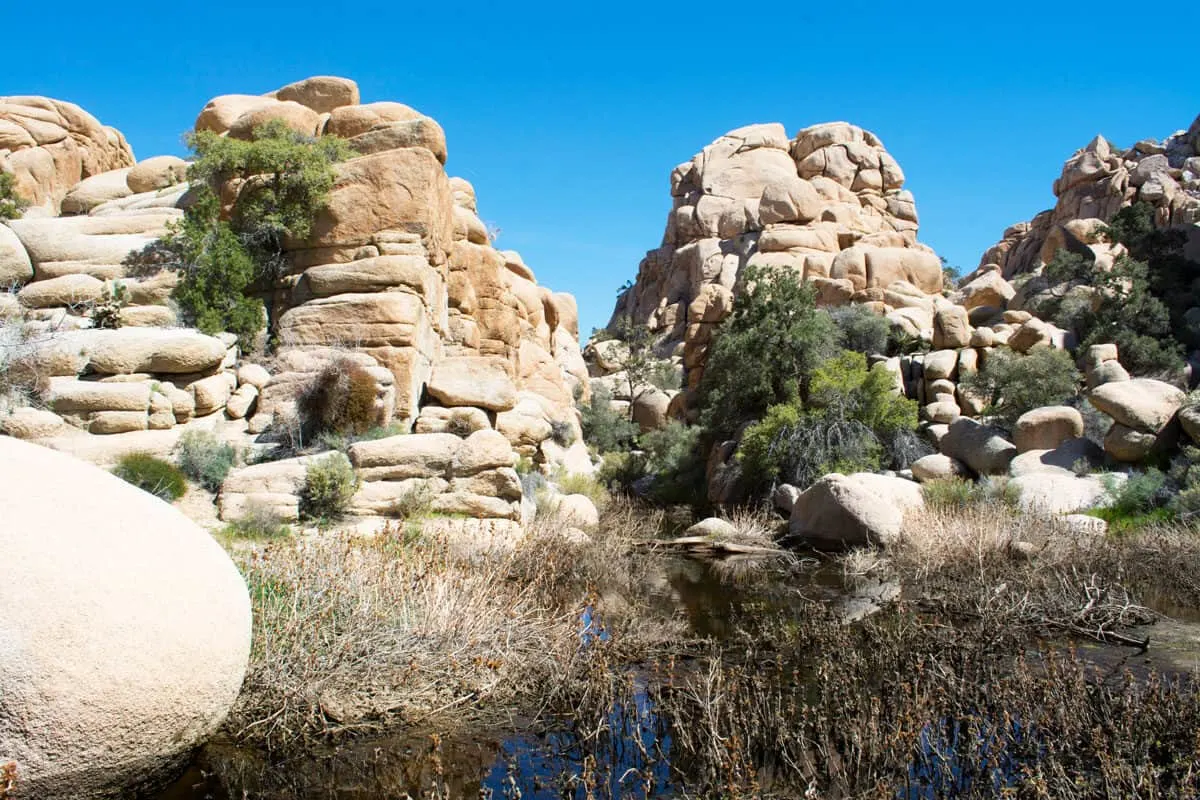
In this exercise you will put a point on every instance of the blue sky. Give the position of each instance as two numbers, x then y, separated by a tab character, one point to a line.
568	118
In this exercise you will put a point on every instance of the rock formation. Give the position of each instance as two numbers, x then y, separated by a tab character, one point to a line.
828	205
126	630
399	275
1096	183
50	146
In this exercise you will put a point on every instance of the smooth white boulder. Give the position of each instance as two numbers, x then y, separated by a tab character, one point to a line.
124	632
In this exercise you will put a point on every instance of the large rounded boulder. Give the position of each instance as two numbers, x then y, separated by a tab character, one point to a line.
124	630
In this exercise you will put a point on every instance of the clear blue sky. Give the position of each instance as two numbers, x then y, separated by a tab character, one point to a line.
569	117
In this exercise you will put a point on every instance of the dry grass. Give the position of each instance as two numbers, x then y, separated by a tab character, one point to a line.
356	634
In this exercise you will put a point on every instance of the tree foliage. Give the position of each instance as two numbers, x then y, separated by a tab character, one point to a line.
853	420
11	203
1011	384
282	179
765	352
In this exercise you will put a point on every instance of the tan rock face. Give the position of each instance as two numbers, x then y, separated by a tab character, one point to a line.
50	146
1047	428
1097	182
321	93
151	629
826	205
854	510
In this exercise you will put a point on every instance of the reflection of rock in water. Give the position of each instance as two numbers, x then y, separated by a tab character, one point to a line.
410	766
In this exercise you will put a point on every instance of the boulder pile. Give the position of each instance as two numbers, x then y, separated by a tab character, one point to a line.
399	276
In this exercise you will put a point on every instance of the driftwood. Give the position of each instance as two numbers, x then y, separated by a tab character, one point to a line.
703	546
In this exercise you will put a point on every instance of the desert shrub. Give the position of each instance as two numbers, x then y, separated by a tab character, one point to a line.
1012	384
586	485
329	484
1117	305
414	503
620	470
11	203
853	421
257	522
1143	498
205	459
861	329
665	375
765	353
674	459
952	494
339	400
106	312
150	474
562	432
285	179
605	429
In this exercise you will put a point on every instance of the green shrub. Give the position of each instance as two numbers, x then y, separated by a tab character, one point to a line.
765	352
11	203
665	375
1012	384
414	503
150	474
605	429
258	522
852	422
861	329
205	459
586	485
1143	498
329	484
339	400
952	494
675	461
620	470
284	180
562	432
1117	305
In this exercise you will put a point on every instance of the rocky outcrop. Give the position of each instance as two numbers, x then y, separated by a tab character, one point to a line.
828	205
126	630
1097	182
50	146
854	510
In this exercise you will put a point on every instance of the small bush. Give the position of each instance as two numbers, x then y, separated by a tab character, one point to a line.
952	494
1143	499
562	432
675	460
11	203
329	484
415	503
861	329
339	400
1012	384
586	485
204	459
258	522
150	474
665	375
604	428
620	470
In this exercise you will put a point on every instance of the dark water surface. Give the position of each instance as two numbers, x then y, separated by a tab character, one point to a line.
631	759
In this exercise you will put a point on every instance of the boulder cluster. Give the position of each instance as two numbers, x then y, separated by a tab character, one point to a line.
1097	182
399	275
828	205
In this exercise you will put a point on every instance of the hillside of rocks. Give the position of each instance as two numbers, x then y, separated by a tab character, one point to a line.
1096	182
399	276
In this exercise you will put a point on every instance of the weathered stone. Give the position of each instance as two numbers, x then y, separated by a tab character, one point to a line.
951	329
854	510
938	467
321	93
481	381
151	626
1142	403
981	447
1046	428
30	423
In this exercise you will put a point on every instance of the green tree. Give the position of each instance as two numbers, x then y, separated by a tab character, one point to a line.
853	421
282	180
11	203
765	352
1011	384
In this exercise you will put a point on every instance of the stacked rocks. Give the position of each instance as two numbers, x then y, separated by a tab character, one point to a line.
827	205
